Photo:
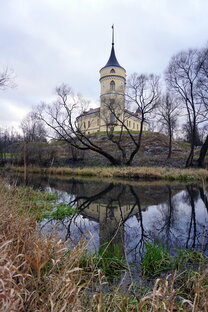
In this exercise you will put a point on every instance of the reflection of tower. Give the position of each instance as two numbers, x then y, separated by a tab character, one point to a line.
111	226
112	83
111	216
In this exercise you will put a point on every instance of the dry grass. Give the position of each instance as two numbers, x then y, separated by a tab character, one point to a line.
40	274
145	173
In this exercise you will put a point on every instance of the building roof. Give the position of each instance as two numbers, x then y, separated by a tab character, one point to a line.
132	114
112	59
138	110
90	111
97	110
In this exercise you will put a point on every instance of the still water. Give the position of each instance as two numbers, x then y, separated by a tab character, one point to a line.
129	214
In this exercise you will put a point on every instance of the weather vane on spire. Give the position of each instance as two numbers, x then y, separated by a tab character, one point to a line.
113	34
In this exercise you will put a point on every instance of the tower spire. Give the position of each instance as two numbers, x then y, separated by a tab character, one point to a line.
113	35
112	59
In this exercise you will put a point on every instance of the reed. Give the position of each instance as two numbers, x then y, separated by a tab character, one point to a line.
39	273
139	173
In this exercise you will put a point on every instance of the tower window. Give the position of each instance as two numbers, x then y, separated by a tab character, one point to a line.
112	101
112	85
112	118
112	71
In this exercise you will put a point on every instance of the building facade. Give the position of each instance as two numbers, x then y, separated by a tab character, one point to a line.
112	115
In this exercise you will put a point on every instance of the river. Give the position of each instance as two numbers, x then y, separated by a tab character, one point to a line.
128	213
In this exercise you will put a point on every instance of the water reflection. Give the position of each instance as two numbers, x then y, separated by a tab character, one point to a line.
130	214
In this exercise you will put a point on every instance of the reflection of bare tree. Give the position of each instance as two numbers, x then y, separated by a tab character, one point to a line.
165	227
191	194
82	202
197	231
138	248
114	212
169	219
203	196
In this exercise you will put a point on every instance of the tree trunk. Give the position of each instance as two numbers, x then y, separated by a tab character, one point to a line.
170	146
203	151
189	161
135	151
25	162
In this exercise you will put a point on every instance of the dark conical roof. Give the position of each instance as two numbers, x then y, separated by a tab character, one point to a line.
112	59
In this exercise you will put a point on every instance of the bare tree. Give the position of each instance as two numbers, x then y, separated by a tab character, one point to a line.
33	129
61	115
8	139
203	94
182	76
143	92
188	134
168	115
6	79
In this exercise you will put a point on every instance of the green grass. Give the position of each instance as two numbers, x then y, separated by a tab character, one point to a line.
117	132
189	256
156	259
109	259
8	155
60	211
37	202
43	204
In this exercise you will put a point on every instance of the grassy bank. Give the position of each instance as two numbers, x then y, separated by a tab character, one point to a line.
40	274
143	173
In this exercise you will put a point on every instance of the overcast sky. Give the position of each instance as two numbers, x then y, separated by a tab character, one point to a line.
47	42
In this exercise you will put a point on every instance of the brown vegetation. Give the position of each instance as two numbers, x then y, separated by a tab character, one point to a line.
40	274
142	173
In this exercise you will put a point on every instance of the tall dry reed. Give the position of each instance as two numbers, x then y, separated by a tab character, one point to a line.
39	273
143	173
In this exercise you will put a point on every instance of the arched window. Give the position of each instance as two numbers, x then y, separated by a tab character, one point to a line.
112	71
112	85
112	101
112	118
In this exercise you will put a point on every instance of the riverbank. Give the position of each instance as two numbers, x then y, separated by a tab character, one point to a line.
39	273
142	173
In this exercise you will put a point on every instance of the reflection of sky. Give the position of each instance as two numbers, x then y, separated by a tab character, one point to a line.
74	229
155	225
62	196
175	232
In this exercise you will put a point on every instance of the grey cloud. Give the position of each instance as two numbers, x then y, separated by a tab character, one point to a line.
48	42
